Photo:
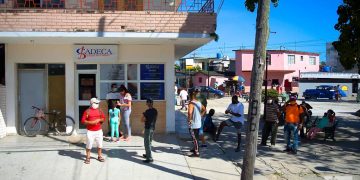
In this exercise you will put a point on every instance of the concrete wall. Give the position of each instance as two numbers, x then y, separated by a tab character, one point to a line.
43	53
2	111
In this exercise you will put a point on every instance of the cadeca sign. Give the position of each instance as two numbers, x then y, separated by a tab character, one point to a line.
95	53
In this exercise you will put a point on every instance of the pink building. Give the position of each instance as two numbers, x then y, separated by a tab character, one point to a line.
283	69
201	79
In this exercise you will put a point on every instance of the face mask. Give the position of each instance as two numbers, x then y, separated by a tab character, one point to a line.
95	106
114	89
269	101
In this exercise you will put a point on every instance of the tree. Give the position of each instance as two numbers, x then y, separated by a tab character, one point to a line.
257	76
348	44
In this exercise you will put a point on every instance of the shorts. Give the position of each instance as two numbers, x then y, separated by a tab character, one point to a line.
237	125
92	136
201	130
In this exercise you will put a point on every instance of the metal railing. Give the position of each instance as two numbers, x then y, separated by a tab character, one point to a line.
196	6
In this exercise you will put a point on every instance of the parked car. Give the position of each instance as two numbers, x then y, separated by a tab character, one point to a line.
213	93
323	91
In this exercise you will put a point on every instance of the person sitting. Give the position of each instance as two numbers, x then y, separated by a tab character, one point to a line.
208	123
326	121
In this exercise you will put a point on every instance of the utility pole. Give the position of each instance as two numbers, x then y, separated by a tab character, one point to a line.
257	76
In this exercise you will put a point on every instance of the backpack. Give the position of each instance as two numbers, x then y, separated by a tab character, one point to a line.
282	116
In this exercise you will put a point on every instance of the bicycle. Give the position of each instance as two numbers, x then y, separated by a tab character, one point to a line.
39	122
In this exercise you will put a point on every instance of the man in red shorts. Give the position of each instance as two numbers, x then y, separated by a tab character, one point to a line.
93	117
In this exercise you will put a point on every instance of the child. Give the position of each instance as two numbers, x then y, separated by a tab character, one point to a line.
114	119
93	118
149	118
322	123
208	123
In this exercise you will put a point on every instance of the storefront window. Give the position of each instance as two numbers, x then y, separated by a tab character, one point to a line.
132	72
152	90
112	72
105	88
87	86
132	87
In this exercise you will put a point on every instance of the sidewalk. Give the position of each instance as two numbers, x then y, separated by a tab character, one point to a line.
316	159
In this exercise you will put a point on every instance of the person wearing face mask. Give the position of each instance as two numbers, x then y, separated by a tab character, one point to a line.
93	117
113	94
271	122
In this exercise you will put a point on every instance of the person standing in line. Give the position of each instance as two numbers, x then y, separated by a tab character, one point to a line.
202	98
236	109
93	117
292	124
195	113
271	122
149	118
183	97
114	121
125	107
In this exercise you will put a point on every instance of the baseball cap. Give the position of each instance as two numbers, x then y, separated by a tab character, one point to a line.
94	100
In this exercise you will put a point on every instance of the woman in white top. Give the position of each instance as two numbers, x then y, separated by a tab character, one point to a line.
125	107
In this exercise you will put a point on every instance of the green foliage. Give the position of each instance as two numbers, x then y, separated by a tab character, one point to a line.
177	67
348	44
271	93
214	36
251	4
197	68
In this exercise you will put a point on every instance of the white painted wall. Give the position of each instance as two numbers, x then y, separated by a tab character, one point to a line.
2	111
45	53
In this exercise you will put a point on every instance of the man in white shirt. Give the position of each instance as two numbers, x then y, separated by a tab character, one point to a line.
183	97
113	94
236	109
176	93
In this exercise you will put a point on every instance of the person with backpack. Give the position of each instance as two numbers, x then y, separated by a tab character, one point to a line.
93	117
195	112
292	124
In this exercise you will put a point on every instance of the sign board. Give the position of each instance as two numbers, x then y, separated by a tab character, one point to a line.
152	71
95	53
155	91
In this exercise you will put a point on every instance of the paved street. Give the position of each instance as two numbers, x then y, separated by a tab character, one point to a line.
62	157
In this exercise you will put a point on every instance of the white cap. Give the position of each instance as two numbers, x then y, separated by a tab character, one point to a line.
94	100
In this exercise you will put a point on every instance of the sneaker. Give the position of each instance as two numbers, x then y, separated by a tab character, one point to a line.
144	155
293	151
148	161
192	150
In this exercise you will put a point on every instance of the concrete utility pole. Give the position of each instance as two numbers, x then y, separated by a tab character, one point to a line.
257	76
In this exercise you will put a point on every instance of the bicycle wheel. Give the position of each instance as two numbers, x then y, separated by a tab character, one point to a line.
32	126
65	127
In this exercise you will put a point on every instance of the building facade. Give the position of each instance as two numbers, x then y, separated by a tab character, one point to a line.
284	67
58	56
332	60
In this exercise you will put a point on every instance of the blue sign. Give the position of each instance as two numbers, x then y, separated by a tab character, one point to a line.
155	91
152	72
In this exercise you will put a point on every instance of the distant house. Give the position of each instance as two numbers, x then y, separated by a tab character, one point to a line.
202	78
205	64
284	67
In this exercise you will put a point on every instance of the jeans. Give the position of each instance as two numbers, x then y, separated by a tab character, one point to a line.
126	119
148	136
291	130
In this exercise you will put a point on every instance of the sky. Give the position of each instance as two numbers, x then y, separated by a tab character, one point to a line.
301	25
